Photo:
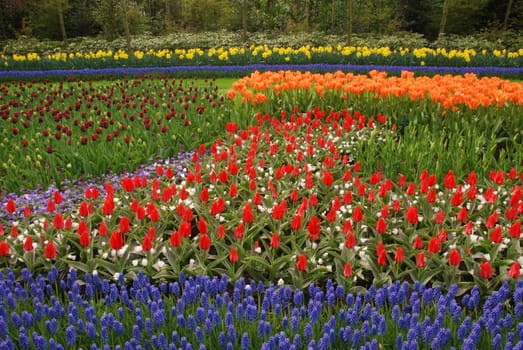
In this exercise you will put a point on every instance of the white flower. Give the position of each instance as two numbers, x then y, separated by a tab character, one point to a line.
144	262
116	276
134	262
158	265
281	282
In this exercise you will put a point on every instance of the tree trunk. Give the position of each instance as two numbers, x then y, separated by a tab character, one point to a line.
443	22
507	14
349	22
244	21
60	8
333	15
125	9
168	17
307	15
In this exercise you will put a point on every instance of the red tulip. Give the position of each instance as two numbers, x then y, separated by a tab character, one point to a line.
381	226
301	264
221	232
204	195
128	184
233	190
275	240
469	228
486	269
347	270
50	250
14	231
85	209
457	198
296	222
202	226
187	214
327	178
412	215
4	248
347	227
233	255
411	189
239	232
496	235
57	197
350	242
124	224
247	213
472	178
85	240
102	229
50	206
28	244
58	221
382	257
176	239
462	215
514	270
450	180
385	211
205	241
108	206
279	210
434	245
439	218
515	230
399	255
313	227
116	240
454	257
185	228
147	244
420	260
418	243
490	195
82	228
357	214
218	206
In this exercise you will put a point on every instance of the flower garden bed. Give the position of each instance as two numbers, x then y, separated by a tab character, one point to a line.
309	213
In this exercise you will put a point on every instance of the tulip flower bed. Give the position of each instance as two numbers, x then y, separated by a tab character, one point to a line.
364	254
264	54
50	311
84	128
284	199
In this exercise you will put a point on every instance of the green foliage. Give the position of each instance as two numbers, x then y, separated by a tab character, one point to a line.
227	39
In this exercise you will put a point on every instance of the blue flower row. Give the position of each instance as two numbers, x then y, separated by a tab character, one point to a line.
54	312
263	67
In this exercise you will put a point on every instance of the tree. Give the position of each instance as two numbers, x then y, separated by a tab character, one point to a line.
60	6
415	15
507	14
349	22
245	10
12	14
443	21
